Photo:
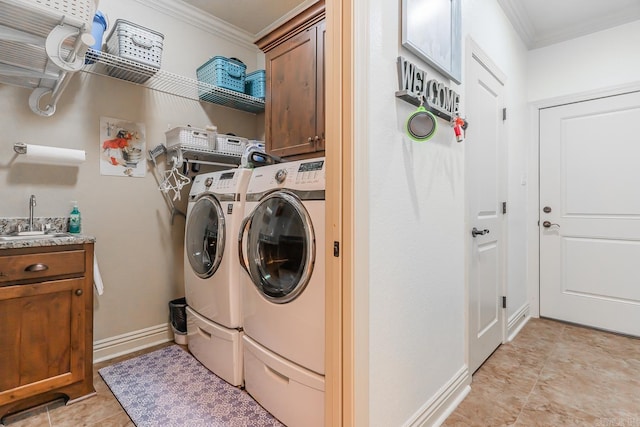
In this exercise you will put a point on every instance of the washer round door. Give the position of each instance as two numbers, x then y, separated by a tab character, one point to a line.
204	236
280	247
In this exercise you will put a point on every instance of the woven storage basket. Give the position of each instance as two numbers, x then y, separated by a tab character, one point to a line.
137	44
223	72
231	145
194	139
39	16
254	84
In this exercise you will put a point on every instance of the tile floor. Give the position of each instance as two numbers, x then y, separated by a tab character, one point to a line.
556	374
552	374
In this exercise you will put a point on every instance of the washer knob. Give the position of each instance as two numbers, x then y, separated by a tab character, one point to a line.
208	182
281	175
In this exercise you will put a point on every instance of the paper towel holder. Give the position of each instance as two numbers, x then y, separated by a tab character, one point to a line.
48	155
20	148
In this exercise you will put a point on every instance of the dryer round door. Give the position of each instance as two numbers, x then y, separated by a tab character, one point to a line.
204	236
280	247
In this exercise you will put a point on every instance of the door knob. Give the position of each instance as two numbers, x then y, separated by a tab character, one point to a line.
548	224
475	232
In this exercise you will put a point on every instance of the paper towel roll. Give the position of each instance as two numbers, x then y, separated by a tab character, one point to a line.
50	155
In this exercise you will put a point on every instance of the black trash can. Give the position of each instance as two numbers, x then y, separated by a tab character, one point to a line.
178	315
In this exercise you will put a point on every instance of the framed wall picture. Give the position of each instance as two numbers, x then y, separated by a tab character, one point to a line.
431	29
122	148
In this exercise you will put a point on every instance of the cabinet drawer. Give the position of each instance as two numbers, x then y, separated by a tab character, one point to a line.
41	265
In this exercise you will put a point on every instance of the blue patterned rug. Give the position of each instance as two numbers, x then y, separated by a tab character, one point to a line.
170	388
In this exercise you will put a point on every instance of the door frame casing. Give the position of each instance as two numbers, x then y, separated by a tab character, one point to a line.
474	50
341	343
533	196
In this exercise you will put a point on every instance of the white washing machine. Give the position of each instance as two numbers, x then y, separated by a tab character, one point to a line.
282	253
212	272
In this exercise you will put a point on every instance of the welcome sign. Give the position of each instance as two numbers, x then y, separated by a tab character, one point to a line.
438	98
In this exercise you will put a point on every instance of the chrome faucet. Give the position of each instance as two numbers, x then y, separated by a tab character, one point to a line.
32	204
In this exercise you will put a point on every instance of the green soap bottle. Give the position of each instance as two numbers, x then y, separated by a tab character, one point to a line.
74	219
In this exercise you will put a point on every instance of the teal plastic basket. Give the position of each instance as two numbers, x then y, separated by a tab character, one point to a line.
228	73
254	84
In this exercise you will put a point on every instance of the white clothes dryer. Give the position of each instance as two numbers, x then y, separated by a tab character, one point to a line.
214	314
282	251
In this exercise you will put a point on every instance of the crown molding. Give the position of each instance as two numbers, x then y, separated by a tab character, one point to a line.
302	6
202	20
520	20
517	14
588	27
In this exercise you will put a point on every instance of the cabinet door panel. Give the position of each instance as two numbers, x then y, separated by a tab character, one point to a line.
291	92
43	327
9	340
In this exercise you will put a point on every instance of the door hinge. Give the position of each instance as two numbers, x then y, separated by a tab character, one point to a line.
336	249
504	207
504	114
504	302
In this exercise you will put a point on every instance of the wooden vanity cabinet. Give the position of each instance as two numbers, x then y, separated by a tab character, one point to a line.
294	71
46	325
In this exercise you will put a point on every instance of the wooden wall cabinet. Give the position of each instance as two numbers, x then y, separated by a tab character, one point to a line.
46	318
294	68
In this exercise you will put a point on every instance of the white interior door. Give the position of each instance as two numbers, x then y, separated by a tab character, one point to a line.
590	213
486	191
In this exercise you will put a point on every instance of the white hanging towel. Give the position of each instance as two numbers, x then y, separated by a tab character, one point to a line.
97	278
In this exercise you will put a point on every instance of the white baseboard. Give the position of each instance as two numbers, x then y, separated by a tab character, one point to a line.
119	345
517	322
438	408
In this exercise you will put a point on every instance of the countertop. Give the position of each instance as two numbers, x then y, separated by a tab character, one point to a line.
54	224
75	239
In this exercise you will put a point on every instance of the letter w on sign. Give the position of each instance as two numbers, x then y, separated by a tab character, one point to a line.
410	77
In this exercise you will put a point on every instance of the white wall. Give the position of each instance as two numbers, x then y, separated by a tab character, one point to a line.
417	305
416	288
601	60
139	251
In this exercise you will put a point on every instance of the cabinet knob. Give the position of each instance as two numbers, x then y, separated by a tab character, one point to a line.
316	139
310	140
78	292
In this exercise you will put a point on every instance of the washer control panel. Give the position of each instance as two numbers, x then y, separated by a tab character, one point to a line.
299	174
302	172
222	182
311	172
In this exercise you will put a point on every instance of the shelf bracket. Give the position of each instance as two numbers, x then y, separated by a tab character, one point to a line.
35	99
74	62
75	59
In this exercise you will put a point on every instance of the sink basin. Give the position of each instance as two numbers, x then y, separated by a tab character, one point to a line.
26	236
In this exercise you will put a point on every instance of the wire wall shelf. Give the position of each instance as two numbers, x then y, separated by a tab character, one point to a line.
42	44
170	83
